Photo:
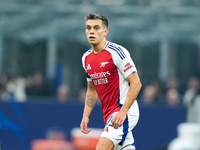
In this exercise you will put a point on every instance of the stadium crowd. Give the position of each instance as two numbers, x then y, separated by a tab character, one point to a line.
174	92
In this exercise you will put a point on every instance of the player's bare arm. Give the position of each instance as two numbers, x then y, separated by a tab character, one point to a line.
135	86
90	101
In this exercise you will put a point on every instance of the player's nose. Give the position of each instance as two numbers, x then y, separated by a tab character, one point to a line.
91	31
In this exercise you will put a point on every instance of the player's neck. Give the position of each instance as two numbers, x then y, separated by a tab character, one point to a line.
99	47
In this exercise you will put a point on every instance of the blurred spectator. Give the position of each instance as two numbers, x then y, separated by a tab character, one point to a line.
157	85
37	86
16	88
149	95
191	99
173	83
63	94
159	91
81	95
191	91
172	97
3	91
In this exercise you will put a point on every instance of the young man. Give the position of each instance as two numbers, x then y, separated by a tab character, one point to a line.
111	76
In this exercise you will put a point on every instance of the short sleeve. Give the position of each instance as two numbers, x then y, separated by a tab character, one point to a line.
83	64
124	62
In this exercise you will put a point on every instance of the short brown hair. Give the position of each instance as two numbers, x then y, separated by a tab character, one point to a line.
97	16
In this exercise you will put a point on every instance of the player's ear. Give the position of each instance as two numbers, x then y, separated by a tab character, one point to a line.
106	32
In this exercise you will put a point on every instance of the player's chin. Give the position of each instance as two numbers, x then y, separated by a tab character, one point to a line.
92	42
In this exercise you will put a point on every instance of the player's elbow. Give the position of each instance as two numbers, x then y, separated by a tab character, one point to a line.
137	85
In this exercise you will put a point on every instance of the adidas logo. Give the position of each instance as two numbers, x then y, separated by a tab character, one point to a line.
88	67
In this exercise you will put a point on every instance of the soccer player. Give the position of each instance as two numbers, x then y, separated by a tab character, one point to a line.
111	76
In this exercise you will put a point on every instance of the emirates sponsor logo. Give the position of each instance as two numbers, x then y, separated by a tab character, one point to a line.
100	78
99	75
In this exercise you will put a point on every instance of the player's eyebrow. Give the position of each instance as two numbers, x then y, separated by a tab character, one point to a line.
97	25
92	25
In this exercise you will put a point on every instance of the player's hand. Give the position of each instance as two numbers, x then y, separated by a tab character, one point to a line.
118	119
83	125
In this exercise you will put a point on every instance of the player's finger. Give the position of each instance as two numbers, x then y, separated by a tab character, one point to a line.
81	126
86	131
120	124
115	123
84	128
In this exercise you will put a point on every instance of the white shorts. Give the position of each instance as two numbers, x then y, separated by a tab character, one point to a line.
122	137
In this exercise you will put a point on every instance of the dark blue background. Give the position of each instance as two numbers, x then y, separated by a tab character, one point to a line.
20	123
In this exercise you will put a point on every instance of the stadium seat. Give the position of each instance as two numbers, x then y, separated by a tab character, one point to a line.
41	144
85	142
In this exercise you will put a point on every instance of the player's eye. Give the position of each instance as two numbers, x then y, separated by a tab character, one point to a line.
96	27
88	27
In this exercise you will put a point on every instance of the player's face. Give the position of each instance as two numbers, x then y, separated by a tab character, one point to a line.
95	31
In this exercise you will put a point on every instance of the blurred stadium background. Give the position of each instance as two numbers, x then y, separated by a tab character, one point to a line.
42	81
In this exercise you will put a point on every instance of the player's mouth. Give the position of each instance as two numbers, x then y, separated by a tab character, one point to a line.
92	38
